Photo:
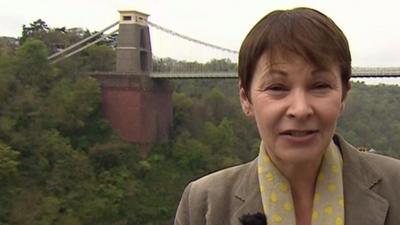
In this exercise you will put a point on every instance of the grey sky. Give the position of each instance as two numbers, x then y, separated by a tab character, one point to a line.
372	27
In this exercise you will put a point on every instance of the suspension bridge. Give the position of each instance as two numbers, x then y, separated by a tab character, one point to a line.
137	100
357	72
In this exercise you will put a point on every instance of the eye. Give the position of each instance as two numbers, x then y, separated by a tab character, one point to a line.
277	89
321	85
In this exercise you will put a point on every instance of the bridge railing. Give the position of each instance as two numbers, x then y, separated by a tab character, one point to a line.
376	72
357	72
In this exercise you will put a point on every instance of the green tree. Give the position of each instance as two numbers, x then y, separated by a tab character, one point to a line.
99	58
8	162
31	65
36	29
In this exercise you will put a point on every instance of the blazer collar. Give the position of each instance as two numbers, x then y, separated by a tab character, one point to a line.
247	195
362	204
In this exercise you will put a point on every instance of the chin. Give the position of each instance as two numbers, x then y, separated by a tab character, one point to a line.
301	156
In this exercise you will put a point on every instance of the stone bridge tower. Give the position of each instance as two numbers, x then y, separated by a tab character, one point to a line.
139	108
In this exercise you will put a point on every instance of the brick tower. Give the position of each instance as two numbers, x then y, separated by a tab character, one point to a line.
138	107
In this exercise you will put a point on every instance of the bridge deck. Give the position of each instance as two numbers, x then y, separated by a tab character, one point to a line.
194	75
357	72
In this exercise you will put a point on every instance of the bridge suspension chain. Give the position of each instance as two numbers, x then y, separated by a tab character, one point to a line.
166	30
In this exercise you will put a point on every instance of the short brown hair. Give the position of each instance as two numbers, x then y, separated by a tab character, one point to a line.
303	31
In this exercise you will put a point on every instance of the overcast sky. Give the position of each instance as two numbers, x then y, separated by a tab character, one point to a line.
372	27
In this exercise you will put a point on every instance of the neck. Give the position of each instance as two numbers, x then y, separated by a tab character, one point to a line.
302	179
300	174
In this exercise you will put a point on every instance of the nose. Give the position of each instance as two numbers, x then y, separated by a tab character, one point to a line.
300	106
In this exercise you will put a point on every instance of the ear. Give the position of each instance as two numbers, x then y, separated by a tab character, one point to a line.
342	107
344	97
247	106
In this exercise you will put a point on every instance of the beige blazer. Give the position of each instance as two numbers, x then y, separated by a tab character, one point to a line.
371	191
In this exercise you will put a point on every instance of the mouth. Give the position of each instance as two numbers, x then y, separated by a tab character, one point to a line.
298	133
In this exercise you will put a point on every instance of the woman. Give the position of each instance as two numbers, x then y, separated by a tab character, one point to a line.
294	70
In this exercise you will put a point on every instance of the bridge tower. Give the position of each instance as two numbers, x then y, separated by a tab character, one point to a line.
134	47
138	107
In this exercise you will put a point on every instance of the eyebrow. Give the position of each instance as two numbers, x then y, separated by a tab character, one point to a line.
279	72
315	73
322	72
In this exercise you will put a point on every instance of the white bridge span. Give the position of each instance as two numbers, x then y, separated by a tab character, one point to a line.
357	72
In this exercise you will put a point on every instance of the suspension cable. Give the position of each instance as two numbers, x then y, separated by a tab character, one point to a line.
169	31
104	36
82	41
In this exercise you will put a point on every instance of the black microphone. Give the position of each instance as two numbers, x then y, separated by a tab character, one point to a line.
253	219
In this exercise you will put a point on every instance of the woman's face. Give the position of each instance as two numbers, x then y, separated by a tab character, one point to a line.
296	106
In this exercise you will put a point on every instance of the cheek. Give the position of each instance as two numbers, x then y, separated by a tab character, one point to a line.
267	114
331	112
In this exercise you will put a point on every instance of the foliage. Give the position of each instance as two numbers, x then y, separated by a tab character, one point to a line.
31	65
172	65
370	119
54	38
99	58
8	162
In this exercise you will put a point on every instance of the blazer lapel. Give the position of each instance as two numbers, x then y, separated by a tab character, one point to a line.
247	195
362	205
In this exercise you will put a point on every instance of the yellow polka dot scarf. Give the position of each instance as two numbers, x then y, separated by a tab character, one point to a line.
328	205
